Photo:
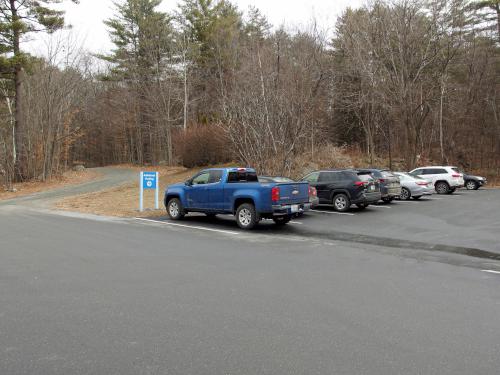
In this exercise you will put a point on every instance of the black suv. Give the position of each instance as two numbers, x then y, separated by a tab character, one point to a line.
342	188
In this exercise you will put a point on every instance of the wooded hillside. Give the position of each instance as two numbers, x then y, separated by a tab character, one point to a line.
408	80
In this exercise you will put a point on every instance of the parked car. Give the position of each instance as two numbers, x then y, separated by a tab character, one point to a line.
474	182
390	187
343	188
413	186
237	191
446	179
313	194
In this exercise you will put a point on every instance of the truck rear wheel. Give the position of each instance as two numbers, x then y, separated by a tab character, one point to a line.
174	209
246	216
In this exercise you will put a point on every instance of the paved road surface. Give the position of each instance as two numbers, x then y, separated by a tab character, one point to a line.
86	296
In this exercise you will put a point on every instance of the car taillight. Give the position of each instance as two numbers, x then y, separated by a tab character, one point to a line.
360	183
382	180
275	194
456	175
422	183
312	191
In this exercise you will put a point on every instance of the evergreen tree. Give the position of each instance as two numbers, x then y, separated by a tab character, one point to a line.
209	23
141	35
18	19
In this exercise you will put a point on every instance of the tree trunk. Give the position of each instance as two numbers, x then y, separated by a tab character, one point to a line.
18	127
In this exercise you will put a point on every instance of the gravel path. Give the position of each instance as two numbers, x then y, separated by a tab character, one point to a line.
110	177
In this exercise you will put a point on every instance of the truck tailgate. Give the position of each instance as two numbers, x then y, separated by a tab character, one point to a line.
293	193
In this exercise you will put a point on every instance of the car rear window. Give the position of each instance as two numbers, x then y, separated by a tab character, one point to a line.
242	176
402	176
365	177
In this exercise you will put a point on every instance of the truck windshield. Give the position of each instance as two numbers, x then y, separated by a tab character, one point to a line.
242	176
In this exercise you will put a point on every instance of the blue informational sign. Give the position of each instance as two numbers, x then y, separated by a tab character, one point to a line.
149	180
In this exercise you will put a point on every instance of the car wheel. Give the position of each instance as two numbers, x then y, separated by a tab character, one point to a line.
341	203
174	209
246	217
282	220
362	206
471	185
442	188
417	197
405	194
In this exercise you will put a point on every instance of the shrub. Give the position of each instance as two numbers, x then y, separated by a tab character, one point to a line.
202	145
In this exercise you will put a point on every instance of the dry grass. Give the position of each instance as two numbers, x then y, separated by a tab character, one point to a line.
123	201
67	179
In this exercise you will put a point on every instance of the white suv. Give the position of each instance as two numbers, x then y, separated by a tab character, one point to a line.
445	179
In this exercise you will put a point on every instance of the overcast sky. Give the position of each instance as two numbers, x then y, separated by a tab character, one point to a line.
87	17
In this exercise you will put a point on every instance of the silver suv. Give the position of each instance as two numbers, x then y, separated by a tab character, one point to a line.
446	179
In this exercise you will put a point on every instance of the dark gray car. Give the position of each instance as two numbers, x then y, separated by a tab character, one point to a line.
474	182
390	187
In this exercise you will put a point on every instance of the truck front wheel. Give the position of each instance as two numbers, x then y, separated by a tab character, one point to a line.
174	209
246	217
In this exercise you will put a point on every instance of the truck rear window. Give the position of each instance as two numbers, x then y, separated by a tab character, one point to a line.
242	176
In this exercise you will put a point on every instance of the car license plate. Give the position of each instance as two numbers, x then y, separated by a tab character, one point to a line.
295	208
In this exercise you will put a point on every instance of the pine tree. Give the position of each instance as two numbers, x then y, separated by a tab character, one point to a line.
18	19
140	34
143	37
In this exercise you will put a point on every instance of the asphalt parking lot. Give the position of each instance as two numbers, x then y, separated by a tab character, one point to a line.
384	291
465	221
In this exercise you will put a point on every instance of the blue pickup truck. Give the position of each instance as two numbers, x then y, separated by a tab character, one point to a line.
237	191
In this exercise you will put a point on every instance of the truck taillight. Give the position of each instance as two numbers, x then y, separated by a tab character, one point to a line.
275	194
312	191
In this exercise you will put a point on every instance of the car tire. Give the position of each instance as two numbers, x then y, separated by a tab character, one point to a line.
417	197
405	194
175	210
282	220
341	203
362	206
246	216
451	191
471	185
442	187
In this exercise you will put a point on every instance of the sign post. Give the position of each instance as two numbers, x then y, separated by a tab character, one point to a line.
149	181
